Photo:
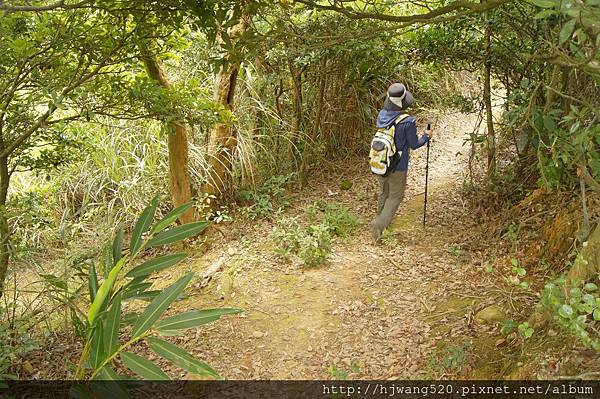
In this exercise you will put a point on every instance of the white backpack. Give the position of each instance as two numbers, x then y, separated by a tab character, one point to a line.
383	154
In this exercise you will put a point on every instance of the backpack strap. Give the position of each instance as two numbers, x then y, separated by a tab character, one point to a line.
400	118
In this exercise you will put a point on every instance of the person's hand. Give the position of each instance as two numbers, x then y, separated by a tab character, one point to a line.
430	134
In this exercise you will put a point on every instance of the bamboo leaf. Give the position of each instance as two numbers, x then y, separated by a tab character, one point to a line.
106	287
157	307
193	318
97	353
170	218
92	282
135	289
156	264
144	295
107	384
142	225
112	325
117	248
145	368
181	358
177	234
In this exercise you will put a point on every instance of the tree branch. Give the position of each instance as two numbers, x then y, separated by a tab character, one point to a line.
7	8
467	7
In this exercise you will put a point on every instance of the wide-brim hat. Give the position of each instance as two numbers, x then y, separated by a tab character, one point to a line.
398	98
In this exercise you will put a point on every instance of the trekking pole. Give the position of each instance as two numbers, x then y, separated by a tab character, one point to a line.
426	178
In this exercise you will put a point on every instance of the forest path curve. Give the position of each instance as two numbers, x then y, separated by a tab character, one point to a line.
371	311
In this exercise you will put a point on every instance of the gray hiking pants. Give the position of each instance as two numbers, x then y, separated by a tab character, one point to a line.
391	194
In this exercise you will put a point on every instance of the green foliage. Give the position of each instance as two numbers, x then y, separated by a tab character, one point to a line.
286	237
578	312
525	330
125	281
518	274
315	244
16	341
340	221
312	244
266	199
448	359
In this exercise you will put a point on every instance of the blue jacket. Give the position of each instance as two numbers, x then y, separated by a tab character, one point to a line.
405	137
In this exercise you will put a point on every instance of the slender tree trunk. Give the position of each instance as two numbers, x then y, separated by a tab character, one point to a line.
296	74
181	190
320	101
222	140
4	227
487	98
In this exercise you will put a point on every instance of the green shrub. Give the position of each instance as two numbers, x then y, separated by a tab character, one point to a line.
287	239
339	220
315	244
16	341
311	244
579	312
266	199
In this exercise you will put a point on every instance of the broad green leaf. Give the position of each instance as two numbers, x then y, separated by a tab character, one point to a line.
170	218
117	248
157	307
566	31
135	289
193	318
565	311
144	295
92	282
181	358
590	287
549	123
596	314
142	225
544	14
112	325
156	264
545	3
177	234
104	290
143	367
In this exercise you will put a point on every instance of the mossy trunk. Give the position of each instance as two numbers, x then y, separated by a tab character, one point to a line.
487	98
222	139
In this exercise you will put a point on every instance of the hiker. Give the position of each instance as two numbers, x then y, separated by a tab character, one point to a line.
389	158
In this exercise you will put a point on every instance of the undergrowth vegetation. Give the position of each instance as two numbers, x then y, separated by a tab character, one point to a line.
312	243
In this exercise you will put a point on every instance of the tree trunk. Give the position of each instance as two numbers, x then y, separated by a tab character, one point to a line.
296	74
181	190
223	138
320	101
487	98
4	227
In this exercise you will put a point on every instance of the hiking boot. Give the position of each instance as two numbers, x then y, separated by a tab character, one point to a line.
375	232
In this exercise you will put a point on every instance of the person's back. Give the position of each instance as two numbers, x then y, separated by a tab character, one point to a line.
393	185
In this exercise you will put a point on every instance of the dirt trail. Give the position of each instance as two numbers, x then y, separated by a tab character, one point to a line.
371	311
